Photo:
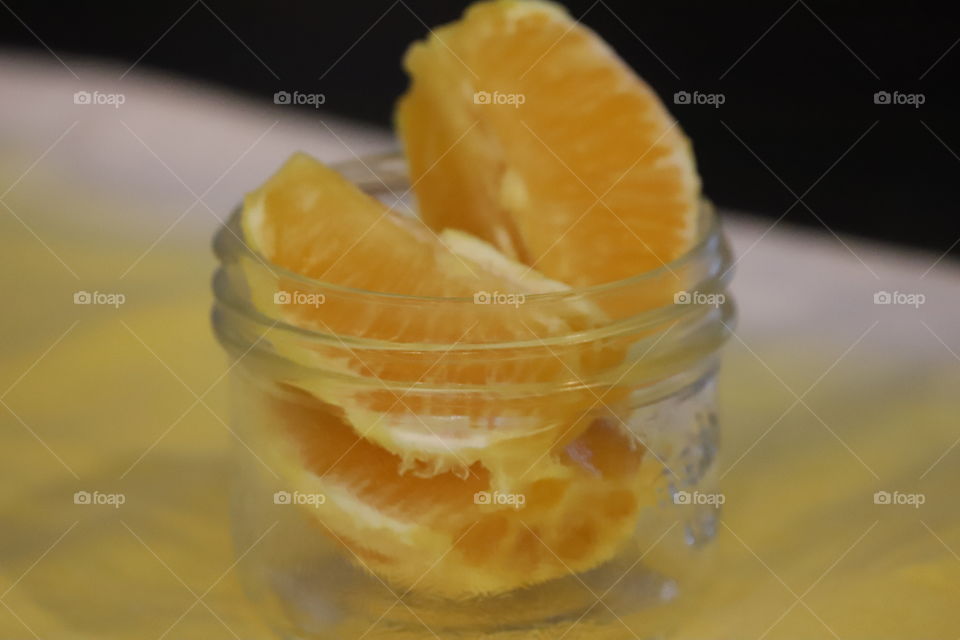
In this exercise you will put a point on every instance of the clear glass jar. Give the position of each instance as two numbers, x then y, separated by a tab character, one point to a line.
468	488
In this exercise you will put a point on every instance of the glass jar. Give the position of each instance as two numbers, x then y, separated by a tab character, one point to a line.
472	488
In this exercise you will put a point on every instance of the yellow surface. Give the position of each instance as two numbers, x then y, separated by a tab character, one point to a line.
101	411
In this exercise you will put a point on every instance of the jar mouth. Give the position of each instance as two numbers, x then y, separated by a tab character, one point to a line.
704	268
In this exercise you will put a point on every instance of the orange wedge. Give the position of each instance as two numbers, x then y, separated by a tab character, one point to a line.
430	389
570	160
401	441
451	535
309	221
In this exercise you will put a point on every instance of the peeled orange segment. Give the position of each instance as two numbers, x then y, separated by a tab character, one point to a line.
450	535
579	168
309	221
442	142
496	263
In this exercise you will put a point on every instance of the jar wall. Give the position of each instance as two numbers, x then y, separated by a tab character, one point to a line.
317	576
466	486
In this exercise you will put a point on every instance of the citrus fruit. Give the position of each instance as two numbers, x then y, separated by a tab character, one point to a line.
451	535
570	160
309	221
346	267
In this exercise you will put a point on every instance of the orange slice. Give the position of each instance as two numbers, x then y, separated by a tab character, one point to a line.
452	536
570	160
309	221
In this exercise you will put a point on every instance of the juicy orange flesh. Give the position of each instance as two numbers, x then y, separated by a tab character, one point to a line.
587	181
308	219
590	170
456	162
572	520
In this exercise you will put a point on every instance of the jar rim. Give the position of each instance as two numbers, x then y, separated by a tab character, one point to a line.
705	265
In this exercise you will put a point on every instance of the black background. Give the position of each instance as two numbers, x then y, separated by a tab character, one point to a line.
798	79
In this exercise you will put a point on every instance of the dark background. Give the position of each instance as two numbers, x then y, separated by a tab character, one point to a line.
798	79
